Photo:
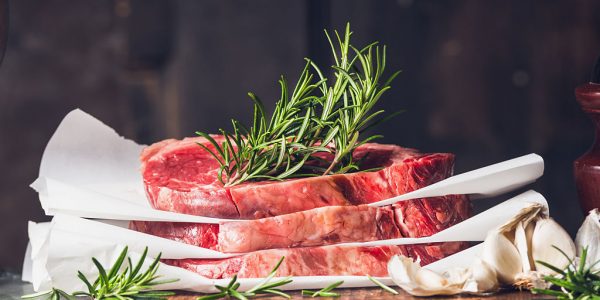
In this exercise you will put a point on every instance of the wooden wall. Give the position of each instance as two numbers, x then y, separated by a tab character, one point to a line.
487	80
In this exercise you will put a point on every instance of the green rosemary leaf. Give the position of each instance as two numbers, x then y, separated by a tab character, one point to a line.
65	294
232	282
383	286
264	287
324	292
277	292
85	281
38	294
327	294
275	284
102	272
547	292
293	169
380	121
237	295
118	263
551	267
269	277
582	262
331	135
215	145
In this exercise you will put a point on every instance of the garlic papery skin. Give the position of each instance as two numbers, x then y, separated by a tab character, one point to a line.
479	278
531	280
548	234
418	281
588	236
500	254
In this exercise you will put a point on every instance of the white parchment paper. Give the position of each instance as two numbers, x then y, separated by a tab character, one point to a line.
64	246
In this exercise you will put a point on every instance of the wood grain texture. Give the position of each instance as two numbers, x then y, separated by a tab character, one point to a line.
379	294
12	288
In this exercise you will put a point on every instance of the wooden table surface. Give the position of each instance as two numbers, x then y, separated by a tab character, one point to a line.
377	293
12	288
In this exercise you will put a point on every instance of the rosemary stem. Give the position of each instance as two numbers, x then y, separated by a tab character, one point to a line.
331	166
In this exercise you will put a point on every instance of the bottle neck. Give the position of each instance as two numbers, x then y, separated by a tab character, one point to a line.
588	97
595	116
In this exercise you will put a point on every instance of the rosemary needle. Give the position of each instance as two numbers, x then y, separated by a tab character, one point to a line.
383	286
324	292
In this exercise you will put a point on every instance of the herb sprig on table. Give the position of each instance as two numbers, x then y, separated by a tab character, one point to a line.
113	283
264	287
382	285
575	281
321	117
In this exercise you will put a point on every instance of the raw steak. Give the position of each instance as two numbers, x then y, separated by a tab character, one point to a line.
180	176
319	226
315	261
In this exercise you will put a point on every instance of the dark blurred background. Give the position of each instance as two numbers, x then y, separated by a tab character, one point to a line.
487	80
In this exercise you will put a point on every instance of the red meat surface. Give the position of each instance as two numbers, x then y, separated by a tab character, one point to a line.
180	176
315	261
319	226
300	219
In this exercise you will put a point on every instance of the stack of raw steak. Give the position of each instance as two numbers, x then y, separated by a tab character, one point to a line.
301	219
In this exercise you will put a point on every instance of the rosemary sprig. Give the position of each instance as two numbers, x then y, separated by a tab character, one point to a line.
348	104
324	292
319	118
575	281
383	286
264	287
116	284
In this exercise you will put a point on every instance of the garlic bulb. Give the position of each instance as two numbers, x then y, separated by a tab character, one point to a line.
508	256
589	236
534	235
547	235
501	255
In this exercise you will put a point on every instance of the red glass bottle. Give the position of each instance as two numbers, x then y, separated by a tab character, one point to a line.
587	167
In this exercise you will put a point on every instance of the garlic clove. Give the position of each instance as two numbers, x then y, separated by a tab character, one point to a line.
588	236
483	278
501	255
402	269
418	281
548	233
430	279
523	243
